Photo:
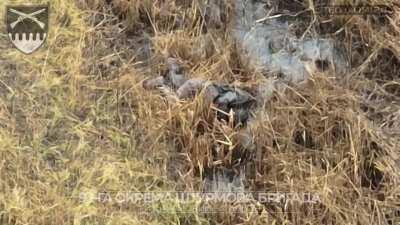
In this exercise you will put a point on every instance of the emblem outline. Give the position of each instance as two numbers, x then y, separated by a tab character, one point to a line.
8	23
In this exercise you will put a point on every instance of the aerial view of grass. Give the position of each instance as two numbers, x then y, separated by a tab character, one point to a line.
134	97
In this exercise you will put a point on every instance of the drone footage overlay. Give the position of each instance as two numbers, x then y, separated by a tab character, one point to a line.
281	112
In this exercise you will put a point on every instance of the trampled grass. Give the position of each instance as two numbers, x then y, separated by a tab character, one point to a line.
75	120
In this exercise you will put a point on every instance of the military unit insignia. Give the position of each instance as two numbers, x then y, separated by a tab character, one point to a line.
27	26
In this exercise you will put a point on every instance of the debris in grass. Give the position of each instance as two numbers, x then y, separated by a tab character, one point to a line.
224	180
224	97
268	44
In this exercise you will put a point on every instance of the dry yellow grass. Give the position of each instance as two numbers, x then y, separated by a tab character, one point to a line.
75	119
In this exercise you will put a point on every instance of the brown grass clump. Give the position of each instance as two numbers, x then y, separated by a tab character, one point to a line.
75	120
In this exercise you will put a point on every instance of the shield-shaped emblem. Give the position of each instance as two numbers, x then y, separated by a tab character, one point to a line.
27	26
